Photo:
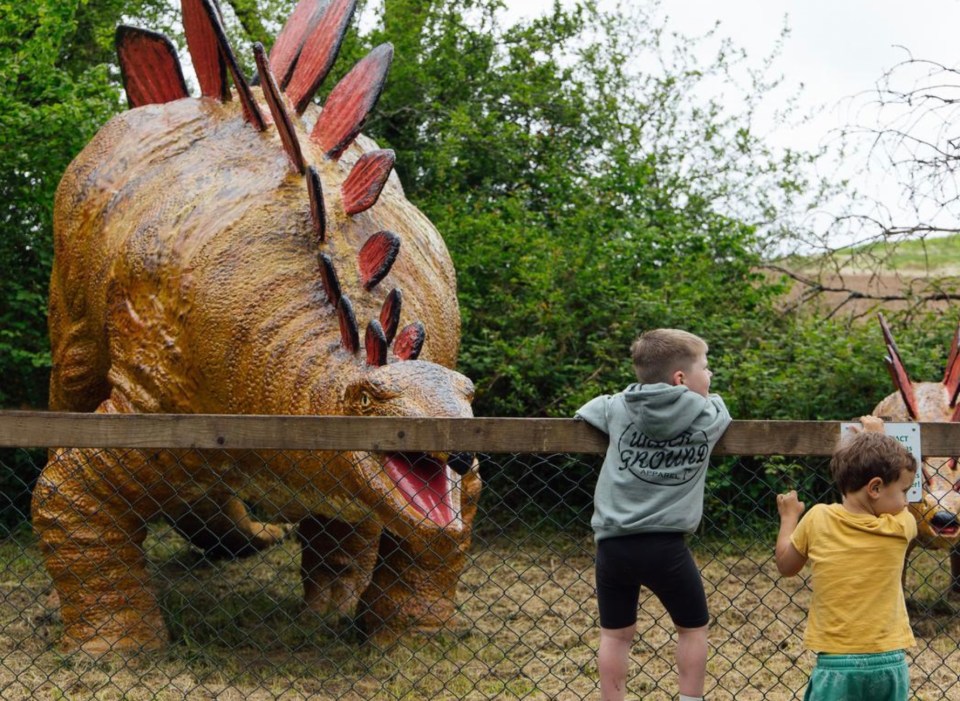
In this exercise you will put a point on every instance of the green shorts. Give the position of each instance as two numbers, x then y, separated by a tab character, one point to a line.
879	676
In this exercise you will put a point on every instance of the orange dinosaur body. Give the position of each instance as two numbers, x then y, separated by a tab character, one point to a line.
938	514
202	266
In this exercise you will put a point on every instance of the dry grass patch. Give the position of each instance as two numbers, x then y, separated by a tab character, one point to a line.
529	611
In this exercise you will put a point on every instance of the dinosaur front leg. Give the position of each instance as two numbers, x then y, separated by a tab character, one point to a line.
90	538
414	582
219	523
411	589
337	562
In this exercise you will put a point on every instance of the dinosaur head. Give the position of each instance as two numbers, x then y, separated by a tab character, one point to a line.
938	515
412	491
409	388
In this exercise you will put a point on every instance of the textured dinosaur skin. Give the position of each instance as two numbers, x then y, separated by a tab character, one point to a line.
186	280
938	514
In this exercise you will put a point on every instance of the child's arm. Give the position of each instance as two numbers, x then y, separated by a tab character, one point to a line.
789	560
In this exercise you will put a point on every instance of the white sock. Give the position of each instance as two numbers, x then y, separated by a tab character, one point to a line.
690	698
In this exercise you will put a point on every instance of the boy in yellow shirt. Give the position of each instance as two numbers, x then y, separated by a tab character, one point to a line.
857	623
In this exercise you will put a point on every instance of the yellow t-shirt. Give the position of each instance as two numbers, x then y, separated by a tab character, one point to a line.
857	559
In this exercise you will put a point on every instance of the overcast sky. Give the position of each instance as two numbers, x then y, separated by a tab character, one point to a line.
836	48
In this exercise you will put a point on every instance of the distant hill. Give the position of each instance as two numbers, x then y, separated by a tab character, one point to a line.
878	276
931	257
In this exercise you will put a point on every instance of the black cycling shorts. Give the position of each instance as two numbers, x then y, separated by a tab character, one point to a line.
662	562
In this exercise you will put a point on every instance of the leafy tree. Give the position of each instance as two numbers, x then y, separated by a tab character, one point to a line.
59	88
581	202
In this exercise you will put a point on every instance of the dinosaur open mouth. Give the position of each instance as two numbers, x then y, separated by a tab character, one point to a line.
944	523
423	481
946	531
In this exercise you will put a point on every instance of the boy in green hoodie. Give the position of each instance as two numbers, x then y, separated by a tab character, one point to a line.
649	495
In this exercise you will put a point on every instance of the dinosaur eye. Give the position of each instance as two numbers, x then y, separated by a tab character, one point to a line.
365	400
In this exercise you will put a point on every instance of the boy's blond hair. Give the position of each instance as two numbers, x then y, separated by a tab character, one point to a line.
865	455
659	353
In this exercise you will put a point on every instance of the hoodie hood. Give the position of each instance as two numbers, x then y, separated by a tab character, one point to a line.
663	410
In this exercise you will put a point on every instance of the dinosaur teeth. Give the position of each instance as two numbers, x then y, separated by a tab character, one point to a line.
286	49
280	117
363	186
351	101
376	257
317	210
349	334
409	341
390	314
149	66
329	277
318	53
251	111
376	344
204	50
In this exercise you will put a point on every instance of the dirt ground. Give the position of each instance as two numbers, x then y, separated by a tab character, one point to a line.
857	293
528	631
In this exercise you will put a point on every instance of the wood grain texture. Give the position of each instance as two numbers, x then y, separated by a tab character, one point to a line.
489	435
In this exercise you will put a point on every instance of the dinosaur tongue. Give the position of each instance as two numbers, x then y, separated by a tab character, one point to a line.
423	481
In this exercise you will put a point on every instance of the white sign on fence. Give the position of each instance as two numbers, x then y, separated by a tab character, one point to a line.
909	436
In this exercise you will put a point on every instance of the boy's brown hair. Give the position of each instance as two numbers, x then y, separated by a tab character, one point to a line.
657	354
865	455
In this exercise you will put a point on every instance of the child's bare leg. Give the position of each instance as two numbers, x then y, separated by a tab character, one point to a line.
692	660
613	660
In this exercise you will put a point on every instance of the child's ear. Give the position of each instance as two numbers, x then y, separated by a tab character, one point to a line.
677	378
874	486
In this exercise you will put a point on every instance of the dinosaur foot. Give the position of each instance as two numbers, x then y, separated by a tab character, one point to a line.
331	601
117	637
261	536
373	632
384	618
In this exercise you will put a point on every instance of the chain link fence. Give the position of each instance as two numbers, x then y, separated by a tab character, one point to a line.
525	624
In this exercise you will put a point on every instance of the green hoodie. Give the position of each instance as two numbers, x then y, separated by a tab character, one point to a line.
656	463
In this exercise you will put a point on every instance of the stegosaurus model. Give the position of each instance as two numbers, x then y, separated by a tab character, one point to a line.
938	515
213	255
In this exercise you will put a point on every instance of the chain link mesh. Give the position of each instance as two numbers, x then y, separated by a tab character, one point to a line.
526	625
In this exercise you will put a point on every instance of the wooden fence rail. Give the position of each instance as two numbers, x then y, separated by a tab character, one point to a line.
38	429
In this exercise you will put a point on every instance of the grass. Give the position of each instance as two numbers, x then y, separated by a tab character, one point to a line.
933	256
240	633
